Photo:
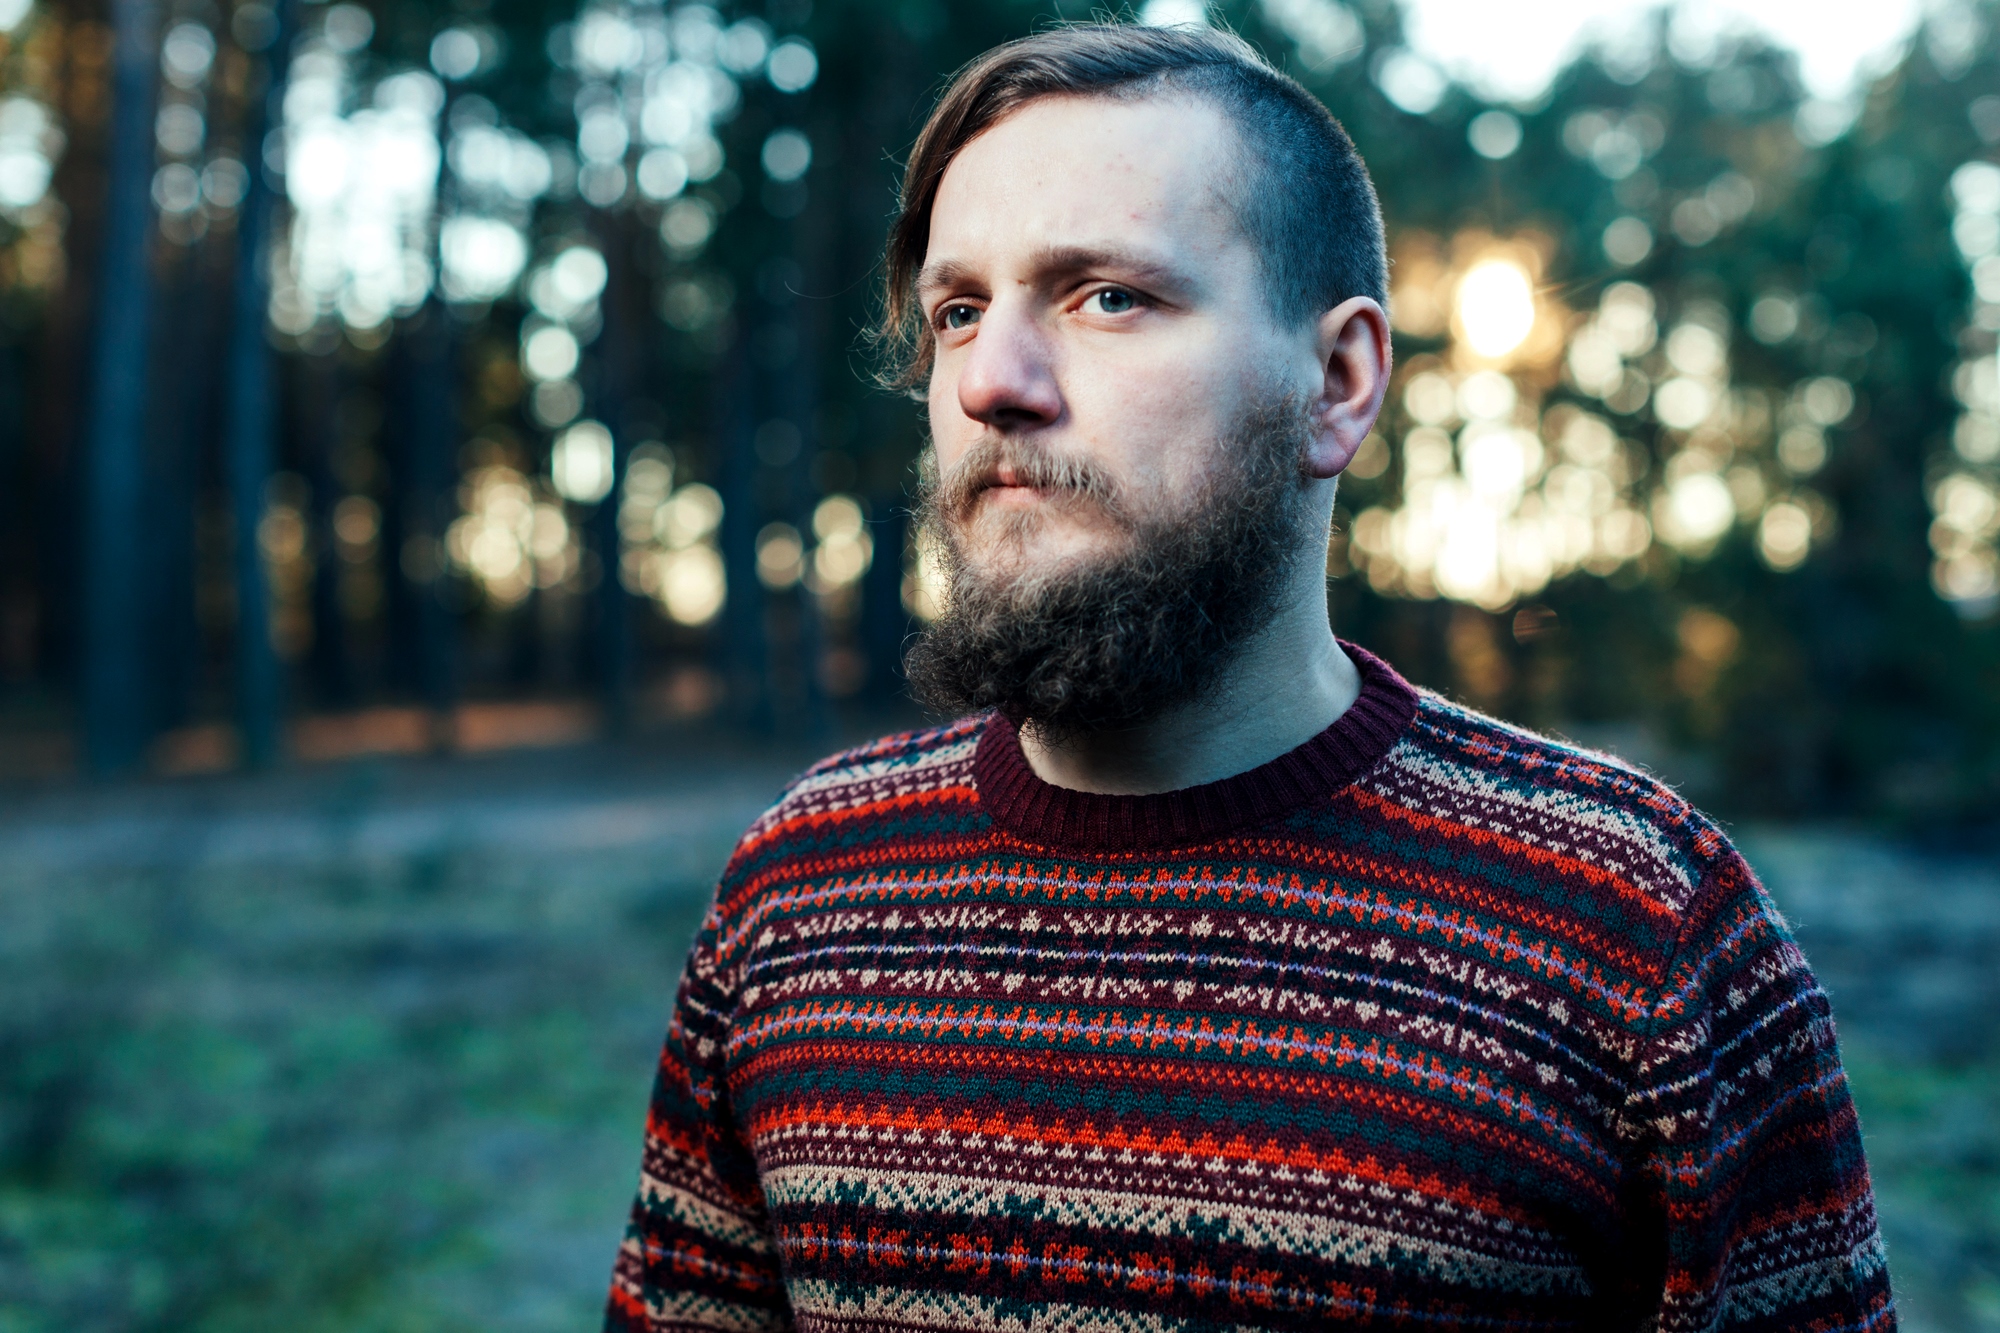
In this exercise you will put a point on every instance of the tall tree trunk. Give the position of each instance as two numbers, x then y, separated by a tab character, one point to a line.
422	439
791	393
617	351
117	715
898	80
332	651
425	468
187	340
885	625
62	374
17	525
743	638
251	419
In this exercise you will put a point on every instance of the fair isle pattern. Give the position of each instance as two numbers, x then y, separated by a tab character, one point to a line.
1433	1023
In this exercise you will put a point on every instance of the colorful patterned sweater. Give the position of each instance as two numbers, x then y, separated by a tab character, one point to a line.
1431	1023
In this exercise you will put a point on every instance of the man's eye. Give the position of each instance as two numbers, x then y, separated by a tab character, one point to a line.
959	316
1114	301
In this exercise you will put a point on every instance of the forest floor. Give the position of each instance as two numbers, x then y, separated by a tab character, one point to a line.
365	1048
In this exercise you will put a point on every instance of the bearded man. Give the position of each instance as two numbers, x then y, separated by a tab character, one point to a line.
1207	975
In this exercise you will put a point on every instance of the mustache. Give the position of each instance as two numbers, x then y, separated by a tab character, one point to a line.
1058	474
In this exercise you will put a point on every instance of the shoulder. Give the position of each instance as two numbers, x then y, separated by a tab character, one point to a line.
909	764
837	819
874	793
1474	776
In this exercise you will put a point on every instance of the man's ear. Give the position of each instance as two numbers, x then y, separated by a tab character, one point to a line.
1354	358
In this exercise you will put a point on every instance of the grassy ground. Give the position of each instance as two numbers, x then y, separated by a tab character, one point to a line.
366	1049
1908	945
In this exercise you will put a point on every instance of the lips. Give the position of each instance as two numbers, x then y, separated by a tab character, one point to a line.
1011	495
1022	478
989	479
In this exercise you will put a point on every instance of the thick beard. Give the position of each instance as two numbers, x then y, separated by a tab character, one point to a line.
1110	645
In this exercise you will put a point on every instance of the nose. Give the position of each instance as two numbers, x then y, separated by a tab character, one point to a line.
1008	379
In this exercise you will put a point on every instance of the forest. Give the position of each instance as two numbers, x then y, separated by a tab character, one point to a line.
445	491
416	377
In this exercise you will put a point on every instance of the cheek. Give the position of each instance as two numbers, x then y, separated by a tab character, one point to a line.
951	430
1155	419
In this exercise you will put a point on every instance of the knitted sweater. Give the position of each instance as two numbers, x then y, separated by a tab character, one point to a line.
1430	1022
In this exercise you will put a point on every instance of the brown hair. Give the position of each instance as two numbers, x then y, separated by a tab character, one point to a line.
1307	203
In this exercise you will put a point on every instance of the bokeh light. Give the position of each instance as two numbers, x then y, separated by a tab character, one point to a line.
1964	494
510	538
30	143
362	180
1494	134
924	585
787	155
1507	481
667	539
481	257
548	351
780	556
793	65
581	463
655	84
1495	307
459	53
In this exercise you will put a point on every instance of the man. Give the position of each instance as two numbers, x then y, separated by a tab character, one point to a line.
1207	975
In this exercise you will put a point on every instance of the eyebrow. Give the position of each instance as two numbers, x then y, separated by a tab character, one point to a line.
1061	261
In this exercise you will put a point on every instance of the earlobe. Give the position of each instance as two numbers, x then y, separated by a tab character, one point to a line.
1354	357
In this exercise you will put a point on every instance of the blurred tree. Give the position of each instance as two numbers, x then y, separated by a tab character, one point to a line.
1776	420
1686	453
116	712
251	422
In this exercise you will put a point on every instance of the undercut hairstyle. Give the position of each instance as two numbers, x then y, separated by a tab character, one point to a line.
1304	198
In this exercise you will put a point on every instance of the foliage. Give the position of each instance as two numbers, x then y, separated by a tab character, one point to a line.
370	1091
1760	600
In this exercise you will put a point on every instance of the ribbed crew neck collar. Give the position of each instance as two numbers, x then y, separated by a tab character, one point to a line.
1051	816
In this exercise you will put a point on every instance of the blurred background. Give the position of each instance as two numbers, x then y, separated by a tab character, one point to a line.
442	497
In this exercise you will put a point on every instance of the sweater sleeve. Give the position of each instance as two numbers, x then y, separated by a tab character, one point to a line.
698	1252
1748	1154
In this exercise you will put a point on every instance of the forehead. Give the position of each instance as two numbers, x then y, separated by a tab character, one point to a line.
1091	170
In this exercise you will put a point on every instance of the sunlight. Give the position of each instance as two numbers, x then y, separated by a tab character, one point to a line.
1496	307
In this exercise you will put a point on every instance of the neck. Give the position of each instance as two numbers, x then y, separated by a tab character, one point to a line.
1281	689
